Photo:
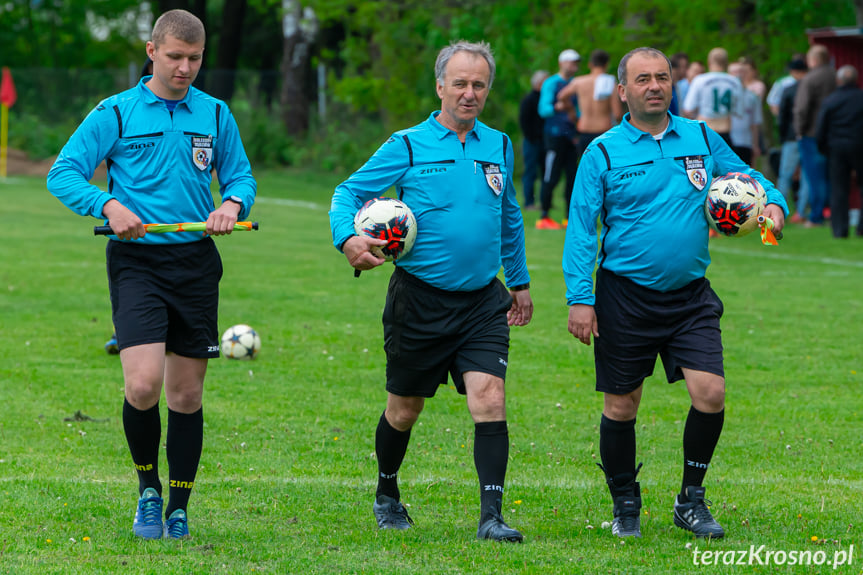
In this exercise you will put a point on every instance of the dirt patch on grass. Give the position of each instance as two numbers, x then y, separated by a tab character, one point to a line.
18	164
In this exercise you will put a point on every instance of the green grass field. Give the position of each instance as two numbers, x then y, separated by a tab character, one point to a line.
287	474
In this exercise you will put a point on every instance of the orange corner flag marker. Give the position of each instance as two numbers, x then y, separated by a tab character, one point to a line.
767	236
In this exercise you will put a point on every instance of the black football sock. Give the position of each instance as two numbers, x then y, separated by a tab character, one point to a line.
184	443
700	437
390	448
617	452
143	432
491	455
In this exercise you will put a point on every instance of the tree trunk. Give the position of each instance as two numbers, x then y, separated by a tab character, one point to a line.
228	51
299	29
858	10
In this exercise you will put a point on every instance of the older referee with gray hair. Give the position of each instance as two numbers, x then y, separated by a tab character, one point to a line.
446	312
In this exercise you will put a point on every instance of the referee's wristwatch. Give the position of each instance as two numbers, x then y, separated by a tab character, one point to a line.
235	199
520	287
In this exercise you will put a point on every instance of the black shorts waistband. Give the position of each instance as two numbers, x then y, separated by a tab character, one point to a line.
411	279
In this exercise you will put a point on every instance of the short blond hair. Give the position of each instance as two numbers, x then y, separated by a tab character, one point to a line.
180	24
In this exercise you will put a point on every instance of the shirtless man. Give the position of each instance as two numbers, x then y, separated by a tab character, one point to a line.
714	96
598	103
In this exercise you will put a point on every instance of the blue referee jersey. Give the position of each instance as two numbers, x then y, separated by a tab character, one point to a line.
159	162
650	197
463	198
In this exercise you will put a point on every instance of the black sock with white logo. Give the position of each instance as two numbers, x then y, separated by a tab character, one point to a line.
184	444
143	432
491	455
700	437
390	448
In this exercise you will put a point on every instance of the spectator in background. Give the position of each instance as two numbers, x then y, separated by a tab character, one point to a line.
746	125
749	77
815	86
679	64
560	151
714	97
599	105
694	69
531	124
775	93
789	161
839	135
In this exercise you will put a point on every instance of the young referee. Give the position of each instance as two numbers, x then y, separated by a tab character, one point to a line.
161	140
446	312
647	179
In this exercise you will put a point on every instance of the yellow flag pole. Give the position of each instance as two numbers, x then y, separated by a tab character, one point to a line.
4	131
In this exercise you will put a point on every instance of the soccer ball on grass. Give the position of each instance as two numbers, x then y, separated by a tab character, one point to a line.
734	202
241	342
387	219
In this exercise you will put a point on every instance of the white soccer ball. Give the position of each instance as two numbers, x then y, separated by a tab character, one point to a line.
734	202
391	220
241	342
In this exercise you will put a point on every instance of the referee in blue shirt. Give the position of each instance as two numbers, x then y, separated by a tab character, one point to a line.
446	312
161	140
647	180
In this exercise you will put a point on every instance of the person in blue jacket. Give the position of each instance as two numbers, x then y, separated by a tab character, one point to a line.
646	180
161	140
446	311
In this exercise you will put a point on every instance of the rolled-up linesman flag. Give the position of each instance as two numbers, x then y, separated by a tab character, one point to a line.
767	236
181	227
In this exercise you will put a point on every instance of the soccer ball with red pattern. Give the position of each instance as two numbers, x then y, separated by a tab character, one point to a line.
734	202
391	220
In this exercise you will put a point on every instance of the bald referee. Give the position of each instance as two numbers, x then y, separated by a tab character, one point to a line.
161	140
446	312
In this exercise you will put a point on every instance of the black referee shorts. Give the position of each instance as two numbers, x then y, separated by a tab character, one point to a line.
166	293
637	323
429	332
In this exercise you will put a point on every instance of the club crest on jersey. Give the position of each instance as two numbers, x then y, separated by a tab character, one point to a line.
694	166
202	151
493	177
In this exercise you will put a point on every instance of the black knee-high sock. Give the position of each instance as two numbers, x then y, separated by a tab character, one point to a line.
700	437
143	432
617	451
390	448
184	443
491	455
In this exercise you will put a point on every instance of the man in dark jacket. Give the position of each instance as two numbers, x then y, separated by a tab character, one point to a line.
816	85
533	150
839	134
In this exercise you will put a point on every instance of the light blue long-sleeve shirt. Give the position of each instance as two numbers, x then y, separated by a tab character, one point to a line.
159	163
650	197
463	198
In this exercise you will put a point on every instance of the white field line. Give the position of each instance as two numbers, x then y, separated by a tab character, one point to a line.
563	481
774	255
291	203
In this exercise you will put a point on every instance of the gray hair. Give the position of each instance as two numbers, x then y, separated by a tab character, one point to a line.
621	68
476	48
538	78
846	75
